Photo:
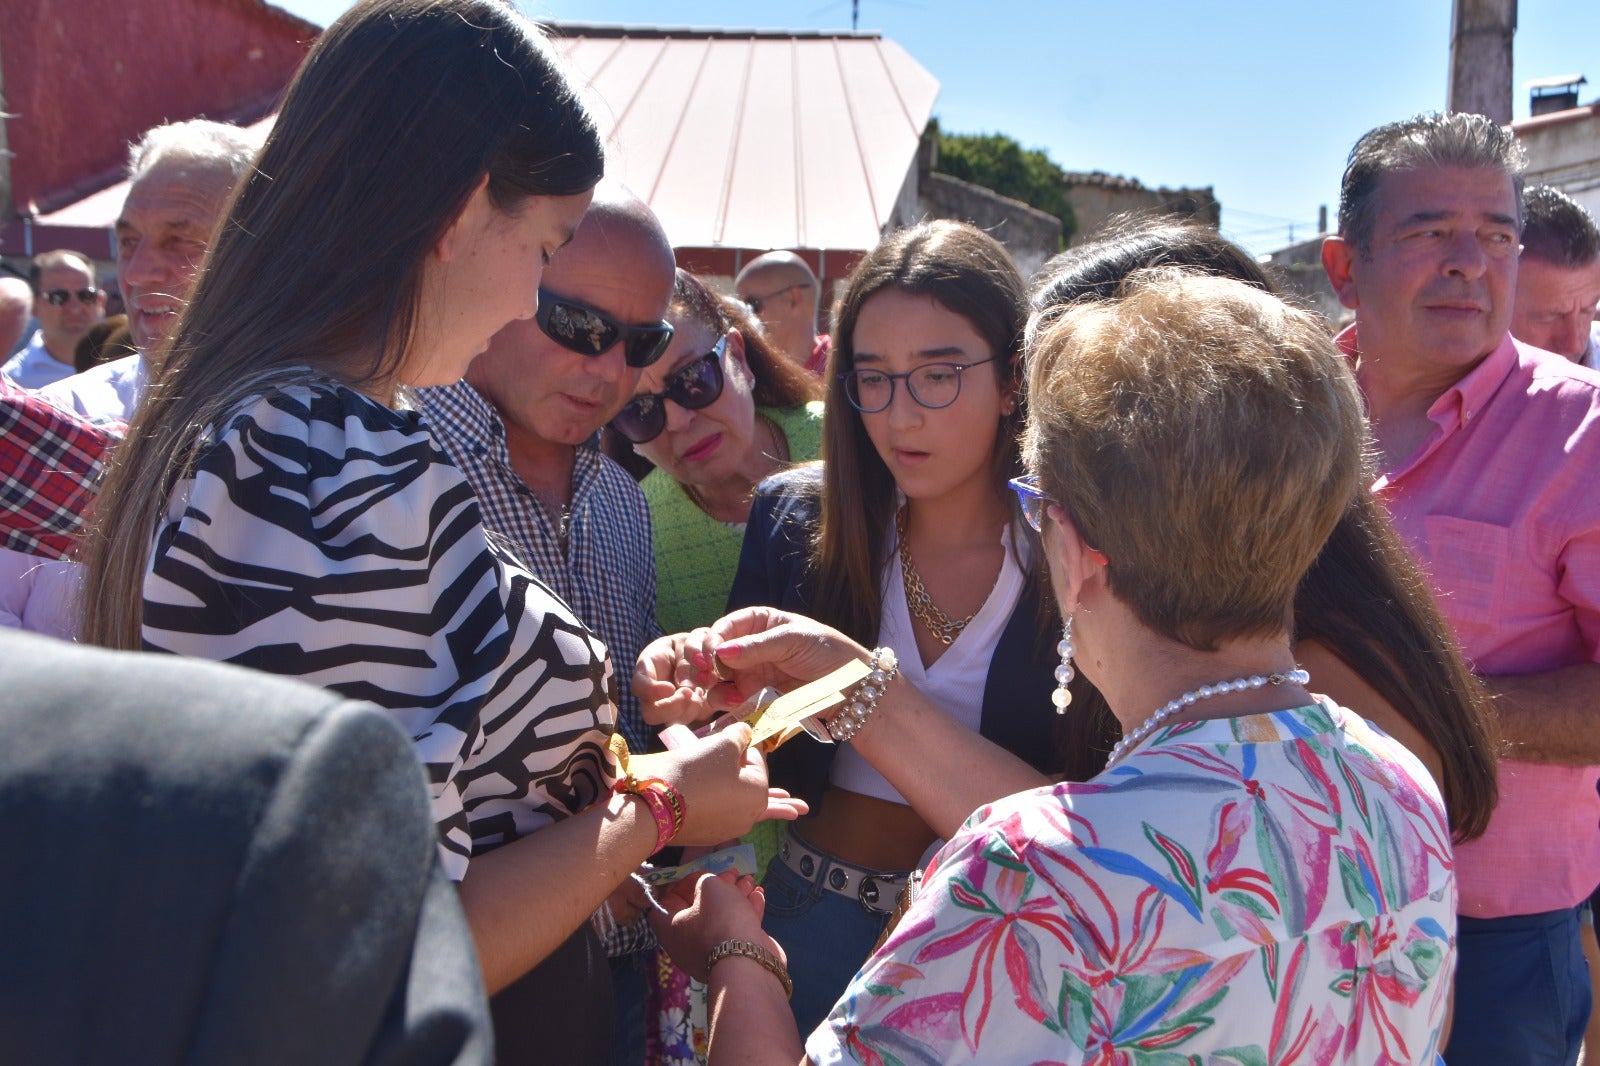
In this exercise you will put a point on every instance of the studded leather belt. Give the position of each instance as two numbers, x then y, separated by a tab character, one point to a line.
876	891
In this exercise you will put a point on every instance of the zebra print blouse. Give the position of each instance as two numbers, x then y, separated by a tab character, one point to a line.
328	538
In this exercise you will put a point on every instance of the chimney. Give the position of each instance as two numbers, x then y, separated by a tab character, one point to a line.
1559	93
1480	57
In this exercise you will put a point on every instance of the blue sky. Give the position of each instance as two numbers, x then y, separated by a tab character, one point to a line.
1259	100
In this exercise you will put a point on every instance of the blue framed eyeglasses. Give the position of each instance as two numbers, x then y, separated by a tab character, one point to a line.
1032	498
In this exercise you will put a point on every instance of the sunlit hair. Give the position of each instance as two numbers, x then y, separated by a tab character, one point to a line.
201	142
1206	437
1557	229
969	273
1126	244
1422	142
1364	598
401	108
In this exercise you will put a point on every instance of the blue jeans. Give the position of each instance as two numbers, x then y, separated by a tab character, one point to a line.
1522	991
826	937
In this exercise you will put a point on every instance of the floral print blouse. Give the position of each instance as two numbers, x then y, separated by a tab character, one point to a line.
1270	889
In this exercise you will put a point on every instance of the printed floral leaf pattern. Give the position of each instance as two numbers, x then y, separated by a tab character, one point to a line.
1262	891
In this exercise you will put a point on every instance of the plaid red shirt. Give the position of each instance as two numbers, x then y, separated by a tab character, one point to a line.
50	463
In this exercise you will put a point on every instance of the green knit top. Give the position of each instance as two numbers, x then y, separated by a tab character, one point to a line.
696	555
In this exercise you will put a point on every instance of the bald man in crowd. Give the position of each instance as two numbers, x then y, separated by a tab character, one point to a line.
1558	278
181	176
783	293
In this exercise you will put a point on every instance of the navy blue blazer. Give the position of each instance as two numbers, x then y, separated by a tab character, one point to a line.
1017	713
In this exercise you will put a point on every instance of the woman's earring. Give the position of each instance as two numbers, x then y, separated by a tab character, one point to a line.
1062	696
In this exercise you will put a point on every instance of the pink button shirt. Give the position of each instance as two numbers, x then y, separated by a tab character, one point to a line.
1502	505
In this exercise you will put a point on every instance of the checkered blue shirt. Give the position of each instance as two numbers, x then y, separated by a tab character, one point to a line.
608	574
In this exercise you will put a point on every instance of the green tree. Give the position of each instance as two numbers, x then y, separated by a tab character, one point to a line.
998	162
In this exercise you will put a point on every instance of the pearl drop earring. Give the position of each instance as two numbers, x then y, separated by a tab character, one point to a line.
1062	696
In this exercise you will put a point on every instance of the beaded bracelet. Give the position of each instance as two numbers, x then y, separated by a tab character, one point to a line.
744	949
848	722
664	803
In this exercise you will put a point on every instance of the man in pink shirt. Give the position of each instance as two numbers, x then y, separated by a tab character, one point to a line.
1487	452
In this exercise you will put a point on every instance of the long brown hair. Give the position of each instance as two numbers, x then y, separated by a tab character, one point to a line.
1364	597
1366	600
968	272
397	113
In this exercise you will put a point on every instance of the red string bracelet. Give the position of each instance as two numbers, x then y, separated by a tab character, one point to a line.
664	803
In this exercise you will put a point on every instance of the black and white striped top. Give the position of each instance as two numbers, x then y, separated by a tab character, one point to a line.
326	537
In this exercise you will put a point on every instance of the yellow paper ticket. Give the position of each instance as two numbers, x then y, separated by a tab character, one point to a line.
780	719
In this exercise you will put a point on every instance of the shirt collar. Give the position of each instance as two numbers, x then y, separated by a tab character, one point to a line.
1466	399
460	411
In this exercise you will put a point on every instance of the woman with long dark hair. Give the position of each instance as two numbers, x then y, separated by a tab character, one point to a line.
906	535
279	504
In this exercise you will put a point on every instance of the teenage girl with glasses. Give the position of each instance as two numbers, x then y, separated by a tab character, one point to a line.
906	537
719	412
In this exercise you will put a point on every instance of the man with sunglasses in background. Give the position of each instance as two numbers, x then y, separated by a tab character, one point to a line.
780	290
523	427
66	301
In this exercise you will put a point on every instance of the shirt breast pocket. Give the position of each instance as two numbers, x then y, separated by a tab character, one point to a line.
1468	562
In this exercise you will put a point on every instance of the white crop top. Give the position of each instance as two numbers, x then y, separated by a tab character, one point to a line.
956	680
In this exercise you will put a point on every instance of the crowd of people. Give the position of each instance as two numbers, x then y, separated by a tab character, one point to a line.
1220	687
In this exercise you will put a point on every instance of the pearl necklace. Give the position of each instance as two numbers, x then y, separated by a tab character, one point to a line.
1204	692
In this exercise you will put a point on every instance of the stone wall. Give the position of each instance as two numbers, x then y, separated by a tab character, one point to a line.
1097	197
1030	235
1299	269
1564	151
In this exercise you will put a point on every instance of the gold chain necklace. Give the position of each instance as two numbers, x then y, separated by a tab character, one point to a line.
923	609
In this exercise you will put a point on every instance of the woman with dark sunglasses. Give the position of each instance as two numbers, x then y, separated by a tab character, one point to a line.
907	536
720	411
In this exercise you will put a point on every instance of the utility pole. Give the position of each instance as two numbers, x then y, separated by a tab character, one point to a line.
1480	57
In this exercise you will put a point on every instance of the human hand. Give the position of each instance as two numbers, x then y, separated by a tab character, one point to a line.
723	782
695	916
762	646
628	901
672	677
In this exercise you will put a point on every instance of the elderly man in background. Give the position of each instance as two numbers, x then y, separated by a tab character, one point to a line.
66	301
1558	278
1487	451
783	293
181	176
16	308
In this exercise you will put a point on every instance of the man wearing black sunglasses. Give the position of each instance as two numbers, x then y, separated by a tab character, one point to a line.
522	427
66	301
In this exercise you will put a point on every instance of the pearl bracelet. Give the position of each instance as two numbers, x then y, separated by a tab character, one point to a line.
744	949
843	726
